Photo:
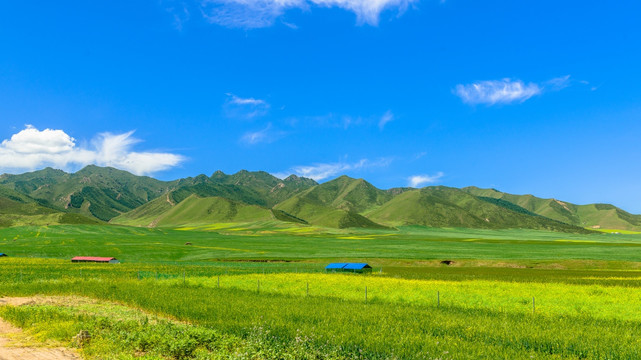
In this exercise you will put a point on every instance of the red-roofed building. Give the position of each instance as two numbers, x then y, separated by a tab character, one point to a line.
96	259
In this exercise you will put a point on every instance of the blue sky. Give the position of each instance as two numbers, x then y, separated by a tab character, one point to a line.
537	97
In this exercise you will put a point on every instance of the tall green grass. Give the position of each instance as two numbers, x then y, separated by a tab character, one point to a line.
341	326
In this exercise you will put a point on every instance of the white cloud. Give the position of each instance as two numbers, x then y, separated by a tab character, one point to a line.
558	83
387	117
420	180
506	91
245	108
31	148
266	135
249	14
322	171
492	92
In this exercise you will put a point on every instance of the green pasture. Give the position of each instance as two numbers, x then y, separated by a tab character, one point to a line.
305	244
169	316
256	291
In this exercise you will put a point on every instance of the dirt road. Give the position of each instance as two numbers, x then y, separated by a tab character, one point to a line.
12	345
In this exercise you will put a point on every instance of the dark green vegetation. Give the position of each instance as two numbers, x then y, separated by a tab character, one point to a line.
107	194
93	191
18	209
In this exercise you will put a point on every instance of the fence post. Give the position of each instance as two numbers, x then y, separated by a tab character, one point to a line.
218	285
308	288
366	294
438	299
533	305
183	276
258	288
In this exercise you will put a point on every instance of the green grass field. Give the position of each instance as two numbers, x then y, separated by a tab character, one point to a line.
256	291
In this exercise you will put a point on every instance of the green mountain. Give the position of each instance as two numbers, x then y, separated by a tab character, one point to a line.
195	210
96	194
440	206
102	193
256	188
591	216
19	209
337	203
248	188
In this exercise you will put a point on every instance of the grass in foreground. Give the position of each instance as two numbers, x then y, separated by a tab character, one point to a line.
281	322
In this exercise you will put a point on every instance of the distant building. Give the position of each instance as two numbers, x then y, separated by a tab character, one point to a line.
2	254
349	267
95	259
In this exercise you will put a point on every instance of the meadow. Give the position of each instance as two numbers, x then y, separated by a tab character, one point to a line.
168	300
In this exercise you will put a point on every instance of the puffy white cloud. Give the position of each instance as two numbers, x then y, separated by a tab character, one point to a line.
322	171
506	91
31	148
420	180
263	13
32	141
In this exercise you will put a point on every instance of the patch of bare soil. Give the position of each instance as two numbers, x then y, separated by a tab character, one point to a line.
12	341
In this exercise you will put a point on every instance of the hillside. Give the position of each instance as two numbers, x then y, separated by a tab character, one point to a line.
257	188
440	206
97	192
19	209
51	196
337	203
195	210
593	215
105	193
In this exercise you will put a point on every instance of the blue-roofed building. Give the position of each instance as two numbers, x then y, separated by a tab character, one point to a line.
348	267
3	254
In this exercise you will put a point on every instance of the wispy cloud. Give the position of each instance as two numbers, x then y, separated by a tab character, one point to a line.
342	121
492	92
266	135
387	117
179	11
506	91
245	108
322	171
420	180
249	14
557	84
31	148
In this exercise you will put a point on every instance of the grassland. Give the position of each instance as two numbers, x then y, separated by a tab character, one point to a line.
258	291
270	241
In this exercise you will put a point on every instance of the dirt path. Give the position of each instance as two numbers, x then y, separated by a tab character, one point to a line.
12	345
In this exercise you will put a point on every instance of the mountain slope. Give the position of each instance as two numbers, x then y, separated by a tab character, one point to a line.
441	206
353	195
257	188
336	203
195	210
98	192
19	209
318	214
593	215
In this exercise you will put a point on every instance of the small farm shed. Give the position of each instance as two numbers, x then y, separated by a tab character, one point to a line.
2	254
349	267
95	259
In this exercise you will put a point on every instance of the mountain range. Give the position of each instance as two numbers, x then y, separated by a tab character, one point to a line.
102	195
